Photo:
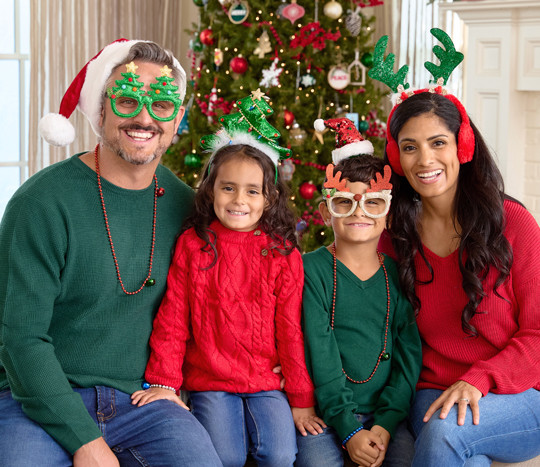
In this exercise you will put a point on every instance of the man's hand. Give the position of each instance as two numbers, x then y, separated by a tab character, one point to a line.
143	397
365	447
95	454
307	419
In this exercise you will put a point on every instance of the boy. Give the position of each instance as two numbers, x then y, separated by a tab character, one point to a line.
363	350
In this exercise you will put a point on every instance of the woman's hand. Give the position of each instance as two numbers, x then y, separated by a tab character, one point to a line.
462	394
140	398
306	419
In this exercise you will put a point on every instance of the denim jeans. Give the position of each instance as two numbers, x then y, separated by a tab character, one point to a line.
160	433
325	450
260	423
509	431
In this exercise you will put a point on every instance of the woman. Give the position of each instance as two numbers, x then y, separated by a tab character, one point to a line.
469	264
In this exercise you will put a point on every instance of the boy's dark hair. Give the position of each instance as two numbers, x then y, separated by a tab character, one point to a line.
360	168
278	219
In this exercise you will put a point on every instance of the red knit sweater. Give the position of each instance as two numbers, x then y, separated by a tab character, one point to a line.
226	328
504	357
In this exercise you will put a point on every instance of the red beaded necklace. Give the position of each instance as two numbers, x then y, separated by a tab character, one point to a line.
157	192
383	355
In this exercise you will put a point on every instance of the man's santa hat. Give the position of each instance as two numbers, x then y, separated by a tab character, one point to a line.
349	141
86	93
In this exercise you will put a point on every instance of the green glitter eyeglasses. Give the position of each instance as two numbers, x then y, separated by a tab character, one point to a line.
162	101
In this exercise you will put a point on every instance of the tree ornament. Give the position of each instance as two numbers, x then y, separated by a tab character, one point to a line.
353	21
293	11
333	9
308	79
307	190
286	169
239	11
206	37
196	45
288	117
192	161
367	59
363	125
301	225
358	69
218	57
313	34
339	77
238	65
264	46
298	135
271	75
225	3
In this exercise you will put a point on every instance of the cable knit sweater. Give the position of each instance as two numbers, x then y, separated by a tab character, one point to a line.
503	359
225	328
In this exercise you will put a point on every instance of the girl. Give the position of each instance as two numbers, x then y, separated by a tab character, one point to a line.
232	312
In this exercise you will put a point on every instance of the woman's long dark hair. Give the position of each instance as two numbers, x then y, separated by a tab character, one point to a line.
278	220
478	210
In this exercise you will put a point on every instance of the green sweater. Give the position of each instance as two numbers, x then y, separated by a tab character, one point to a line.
355	343
64	319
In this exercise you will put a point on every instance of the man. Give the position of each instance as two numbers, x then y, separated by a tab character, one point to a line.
85	247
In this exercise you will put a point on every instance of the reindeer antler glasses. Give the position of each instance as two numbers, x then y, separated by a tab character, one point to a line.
374	203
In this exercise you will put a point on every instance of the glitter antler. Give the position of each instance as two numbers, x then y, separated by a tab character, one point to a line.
383	70
334	181
381	183
449	58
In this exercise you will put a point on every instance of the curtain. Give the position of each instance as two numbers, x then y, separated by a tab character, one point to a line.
65	34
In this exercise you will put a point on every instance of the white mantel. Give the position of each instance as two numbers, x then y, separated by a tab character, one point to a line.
502	86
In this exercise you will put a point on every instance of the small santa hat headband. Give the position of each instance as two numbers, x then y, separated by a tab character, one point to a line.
349	141
382	71
86	93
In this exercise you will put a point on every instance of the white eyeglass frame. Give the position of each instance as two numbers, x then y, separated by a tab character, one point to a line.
384	194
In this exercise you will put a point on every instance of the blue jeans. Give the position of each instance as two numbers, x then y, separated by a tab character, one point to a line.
160	433
325	450
509	431
260	423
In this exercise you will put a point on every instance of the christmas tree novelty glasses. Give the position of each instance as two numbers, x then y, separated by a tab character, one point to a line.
374	203
128	98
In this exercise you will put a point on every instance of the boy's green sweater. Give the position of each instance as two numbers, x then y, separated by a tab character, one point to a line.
64	319
355	343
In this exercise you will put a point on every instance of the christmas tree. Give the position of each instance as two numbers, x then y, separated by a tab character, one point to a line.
310	59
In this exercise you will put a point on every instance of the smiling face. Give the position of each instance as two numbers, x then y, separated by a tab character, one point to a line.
239	201
139	139
428	156
358	227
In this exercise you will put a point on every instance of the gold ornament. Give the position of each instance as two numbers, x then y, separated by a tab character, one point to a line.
333	9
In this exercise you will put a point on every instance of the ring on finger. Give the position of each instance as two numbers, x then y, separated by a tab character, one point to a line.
464	399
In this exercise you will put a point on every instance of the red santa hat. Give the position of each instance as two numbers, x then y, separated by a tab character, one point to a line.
349	141
86	93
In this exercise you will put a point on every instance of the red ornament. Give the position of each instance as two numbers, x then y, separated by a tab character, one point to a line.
239	65
307	190
288	117
206	37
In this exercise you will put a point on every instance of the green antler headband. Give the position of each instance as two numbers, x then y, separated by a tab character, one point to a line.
449	59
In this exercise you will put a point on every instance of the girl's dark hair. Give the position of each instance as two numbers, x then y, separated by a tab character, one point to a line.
361	168
278	219
478	210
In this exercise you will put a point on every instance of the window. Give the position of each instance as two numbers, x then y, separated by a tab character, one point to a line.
15	83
